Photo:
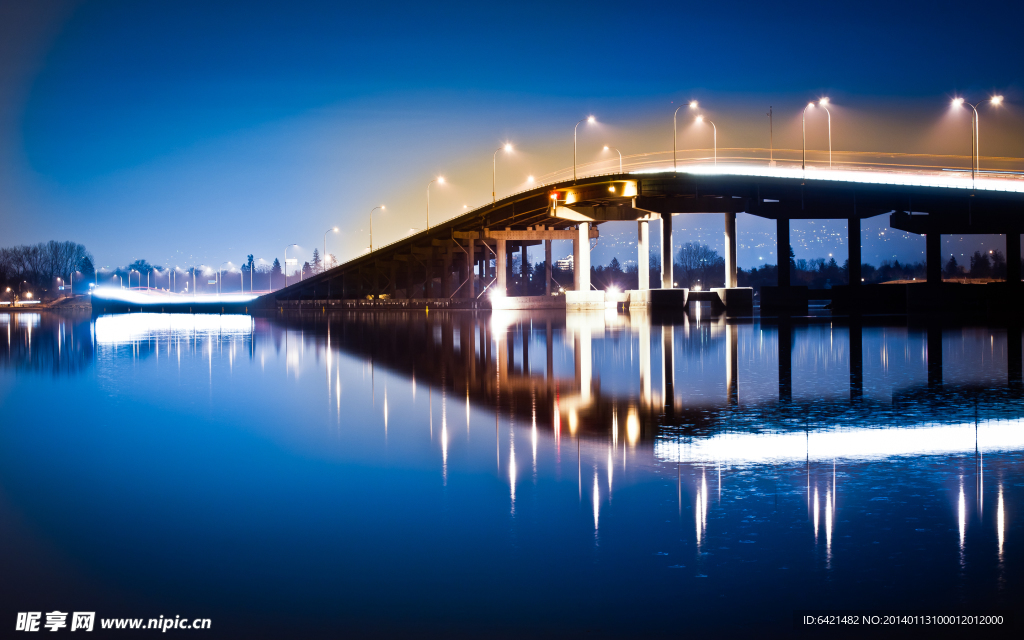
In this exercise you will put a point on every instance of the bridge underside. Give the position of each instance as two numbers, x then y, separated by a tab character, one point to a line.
466	262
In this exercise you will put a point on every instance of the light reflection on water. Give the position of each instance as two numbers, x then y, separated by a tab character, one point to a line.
835	480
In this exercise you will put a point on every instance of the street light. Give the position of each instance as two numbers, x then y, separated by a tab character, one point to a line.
803	125
975	134
218	275
130	278
294	244
324	259
381	207
589	120
823	103
693	105
606	148
715	130
494	163
438	180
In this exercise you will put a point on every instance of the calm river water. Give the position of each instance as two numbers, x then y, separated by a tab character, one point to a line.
461	474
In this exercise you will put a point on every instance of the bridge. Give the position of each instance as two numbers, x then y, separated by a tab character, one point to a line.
464	262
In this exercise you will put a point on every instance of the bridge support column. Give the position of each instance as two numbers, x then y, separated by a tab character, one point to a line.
934	352
469	279
853	242
643	255
446	273
730	251
785	361
933	257
523	272
547	267
581	259
393	275
782	245
501	285
1013	258
667	278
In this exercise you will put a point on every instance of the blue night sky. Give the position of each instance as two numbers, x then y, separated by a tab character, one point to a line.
198	132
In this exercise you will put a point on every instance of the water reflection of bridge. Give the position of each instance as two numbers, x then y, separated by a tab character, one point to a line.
570	371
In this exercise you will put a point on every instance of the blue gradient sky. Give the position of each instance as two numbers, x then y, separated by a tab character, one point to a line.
184	132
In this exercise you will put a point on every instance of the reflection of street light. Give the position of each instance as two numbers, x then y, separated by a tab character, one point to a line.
438	180
606	148
494	163
381	207
589	120
701	119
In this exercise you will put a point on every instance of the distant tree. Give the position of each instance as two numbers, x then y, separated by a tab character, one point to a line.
249	263
981	266
614	267
86	268
141	266
952	269
276	275
696	262
307	269
998	264
330	261
317	263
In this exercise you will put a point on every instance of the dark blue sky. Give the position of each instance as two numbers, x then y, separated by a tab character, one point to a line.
164	130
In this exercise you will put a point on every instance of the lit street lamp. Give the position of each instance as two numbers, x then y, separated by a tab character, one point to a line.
715	130
693	105
294	244
975	147
381	207
324	258
589	120
218	275
803	125
130	278
494	163
606	148
823	103
438	180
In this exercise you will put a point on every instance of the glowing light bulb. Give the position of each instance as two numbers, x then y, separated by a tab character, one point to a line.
440	179
529	179
958	102
823	101
591	119
700	118
508	147
693	104
997	100
605	147
810	104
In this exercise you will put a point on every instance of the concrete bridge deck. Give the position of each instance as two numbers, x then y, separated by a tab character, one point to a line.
468	258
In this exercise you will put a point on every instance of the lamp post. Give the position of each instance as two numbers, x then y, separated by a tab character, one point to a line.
494	163
823	103
438	180
589	120
381	207
324	258
130	278
715	130
606	148
218	275
693	105
803	126
975	134
294	244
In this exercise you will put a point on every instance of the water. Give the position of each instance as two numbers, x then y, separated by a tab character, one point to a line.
460	474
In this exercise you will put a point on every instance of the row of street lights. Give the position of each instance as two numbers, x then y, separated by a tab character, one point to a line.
700	118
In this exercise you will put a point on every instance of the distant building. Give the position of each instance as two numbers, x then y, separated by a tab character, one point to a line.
565	264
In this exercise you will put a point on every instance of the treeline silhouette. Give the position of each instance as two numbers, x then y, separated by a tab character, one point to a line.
41	268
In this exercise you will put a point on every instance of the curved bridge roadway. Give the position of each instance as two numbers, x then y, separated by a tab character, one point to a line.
457	262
